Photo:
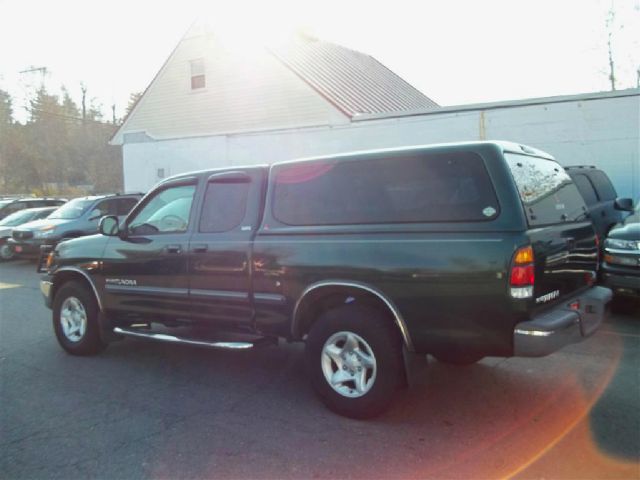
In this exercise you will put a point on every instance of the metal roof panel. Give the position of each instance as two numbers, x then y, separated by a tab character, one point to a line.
354	82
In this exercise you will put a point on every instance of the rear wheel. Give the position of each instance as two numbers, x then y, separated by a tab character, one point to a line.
354	360
75	320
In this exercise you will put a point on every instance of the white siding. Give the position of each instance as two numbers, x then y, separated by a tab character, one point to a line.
603	132
141	161
246	90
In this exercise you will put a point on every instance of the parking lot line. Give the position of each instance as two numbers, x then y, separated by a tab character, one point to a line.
9	285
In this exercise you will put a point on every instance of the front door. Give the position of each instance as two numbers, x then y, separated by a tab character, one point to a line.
220	248
145	269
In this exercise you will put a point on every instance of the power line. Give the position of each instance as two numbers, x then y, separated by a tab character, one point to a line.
68	117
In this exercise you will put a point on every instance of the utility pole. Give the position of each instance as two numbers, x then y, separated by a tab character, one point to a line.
43	72
29	87
113	112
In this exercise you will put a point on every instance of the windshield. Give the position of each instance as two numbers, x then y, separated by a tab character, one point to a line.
17	218
73	209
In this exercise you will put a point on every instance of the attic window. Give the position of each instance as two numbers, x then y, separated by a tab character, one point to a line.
197	74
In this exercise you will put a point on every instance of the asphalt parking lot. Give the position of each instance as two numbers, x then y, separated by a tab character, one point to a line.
147	410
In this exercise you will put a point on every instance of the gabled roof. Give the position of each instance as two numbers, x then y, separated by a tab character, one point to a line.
354	82
348	83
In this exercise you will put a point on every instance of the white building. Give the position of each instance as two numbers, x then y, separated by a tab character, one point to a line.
210	106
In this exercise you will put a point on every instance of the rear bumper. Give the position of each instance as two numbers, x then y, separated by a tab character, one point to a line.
560	326
623	281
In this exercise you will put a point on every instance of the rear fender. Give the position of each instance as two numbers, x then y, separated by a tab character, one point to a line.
301	322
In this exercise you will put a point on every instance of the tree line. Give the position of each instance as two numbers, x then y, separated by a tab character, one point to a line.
61	148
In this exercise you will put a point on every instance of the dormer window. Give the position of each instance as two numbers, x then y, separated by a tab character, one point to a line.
197	74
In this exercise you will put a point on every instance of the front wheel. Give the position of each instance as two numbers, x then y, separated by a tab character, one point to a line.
6	252
354	360
75	320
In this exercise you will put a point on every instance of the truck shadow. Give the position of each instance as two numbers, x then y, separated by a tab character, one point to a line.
454	420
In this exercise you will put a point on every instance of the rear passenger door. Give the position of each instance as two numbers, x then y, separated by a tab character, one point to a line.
220	247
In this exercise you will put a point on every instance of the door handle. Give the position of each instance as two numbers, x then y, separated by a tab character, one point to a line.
174	249
199	248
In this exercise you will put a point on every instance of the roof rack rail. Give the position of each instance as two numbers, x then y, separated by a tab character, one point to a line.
581	166
111	194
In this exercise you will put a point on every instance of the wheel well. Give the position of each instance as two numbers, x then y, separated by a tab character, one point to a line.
321	299
67	276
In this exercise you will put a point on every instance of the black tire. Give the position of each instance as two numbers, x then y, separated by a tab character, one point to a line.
621	305
89	342
383	340
459	359
6	252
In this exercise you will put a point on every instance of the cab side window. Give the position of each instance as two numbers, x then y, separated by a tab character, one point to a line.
603	186
125	205
224	207
106	207
586	189
167	211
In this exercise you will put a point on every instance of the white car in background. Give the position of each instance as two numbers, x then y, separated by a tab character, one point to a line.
15	219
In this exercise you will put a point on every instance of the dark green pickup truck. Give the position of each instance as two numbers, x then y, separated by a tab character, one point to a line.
459	251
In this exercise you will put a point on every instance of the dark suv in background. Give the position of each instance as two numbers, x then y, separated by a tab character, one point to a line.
11	205
77	218
621	262
605	207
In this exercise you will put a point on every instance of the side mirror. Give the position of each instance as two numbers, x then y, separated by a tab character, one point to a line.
109	226
624	204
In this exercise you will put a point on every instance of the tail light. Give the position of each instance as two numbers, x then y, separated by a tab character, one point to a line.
522	276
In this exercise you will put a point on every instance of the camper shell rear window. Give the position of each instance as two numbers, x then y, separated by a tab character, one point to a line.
548	194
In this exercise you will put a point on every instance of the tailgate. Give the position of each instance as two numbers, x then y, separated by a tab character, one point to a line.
566	260
564	242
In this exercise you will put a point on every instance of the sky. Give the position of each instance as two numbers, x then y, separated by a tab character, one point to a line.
455	51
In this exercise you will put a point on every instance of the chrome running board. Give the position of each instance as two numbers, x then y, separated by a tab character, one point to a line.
162	337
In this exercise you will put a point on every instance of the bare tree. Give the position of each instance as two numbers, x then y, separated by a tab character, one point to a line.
611	15
83	88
